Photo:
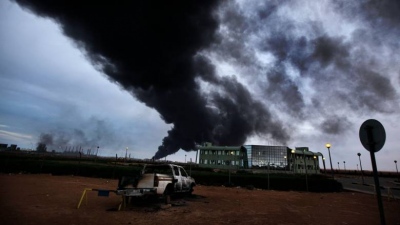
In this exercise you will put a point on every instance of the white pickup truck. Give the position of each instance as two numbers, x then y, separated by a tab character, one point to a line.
157	180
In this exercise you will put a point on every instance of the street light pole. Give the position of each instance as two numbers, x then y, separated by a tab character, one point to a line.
305	167
397	171
293	160
126	154
338	166
285	162
229	168
328	146
315	164
185	158
362	174
344	163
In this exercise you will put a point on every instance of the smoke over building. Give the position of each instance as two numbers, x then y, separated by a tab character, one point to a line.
166	54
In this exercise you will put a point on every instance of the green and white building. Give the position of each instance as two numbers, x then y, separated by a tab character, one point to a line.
297	160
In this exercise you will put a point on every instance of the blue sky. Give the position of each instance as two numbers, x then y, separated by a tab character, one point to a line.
47	85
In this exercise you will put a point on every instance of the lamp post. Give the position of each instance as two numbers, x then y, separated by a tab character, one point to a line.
293	160
285	162
229	170
362	174
95	159
397	171
268	174
344	163
328	146
305	167
126	154
185	158
338	166
315	164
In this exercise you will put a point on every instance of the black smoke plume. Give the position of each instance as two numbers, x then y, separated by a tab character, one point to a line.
311	70
310	73
151	49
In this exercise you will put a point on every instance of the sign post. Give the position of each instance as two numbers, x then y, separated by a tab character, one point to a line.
372	136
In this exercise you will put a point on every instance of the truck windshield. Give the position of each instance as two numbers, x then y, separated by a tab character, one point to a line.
165	169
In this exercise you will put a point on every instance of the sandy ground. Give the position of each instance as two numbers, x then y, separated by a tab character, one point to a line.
46	199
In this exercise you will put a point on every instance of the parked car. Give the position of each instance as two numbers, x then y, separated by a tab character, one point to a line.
157	180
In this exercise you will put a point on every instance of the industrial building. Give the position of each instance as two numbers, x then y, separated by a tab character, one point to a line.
296	160
304	161
223	157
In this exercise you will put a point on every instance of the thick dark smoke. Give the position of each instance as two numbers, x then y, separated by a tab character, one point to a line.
151	49
313	69
305	70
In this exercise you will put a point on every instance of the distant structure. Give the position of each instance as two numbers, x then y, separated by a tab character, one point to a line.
3	146
296	160
12	147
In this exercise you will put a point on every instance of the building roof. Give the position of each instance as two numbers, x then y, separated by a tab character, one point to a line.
307	153
220	148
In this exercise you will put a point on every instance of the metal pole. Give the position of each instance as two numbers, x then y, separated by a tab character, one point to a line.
305	164
268	175
376	179
315	164
344	163
398	178
285	162
362	173
293	161
330	159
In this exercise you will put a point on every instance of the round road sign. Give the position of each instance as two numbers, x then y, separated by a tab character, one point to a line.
372	135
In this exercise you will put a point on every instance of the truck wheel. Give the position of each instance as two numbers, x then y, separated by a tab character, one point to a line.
167	199
167	193
191	189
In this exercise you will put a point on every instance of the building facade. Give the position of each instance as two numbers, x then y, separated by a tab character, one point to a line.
223	157
297	160
263	156
304	161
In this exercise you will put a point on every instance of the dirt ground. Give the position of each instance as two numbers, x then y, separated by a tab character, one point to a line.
46	199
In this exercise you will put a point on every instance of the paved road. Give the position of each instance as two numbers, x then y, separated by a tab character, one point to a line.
389	186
